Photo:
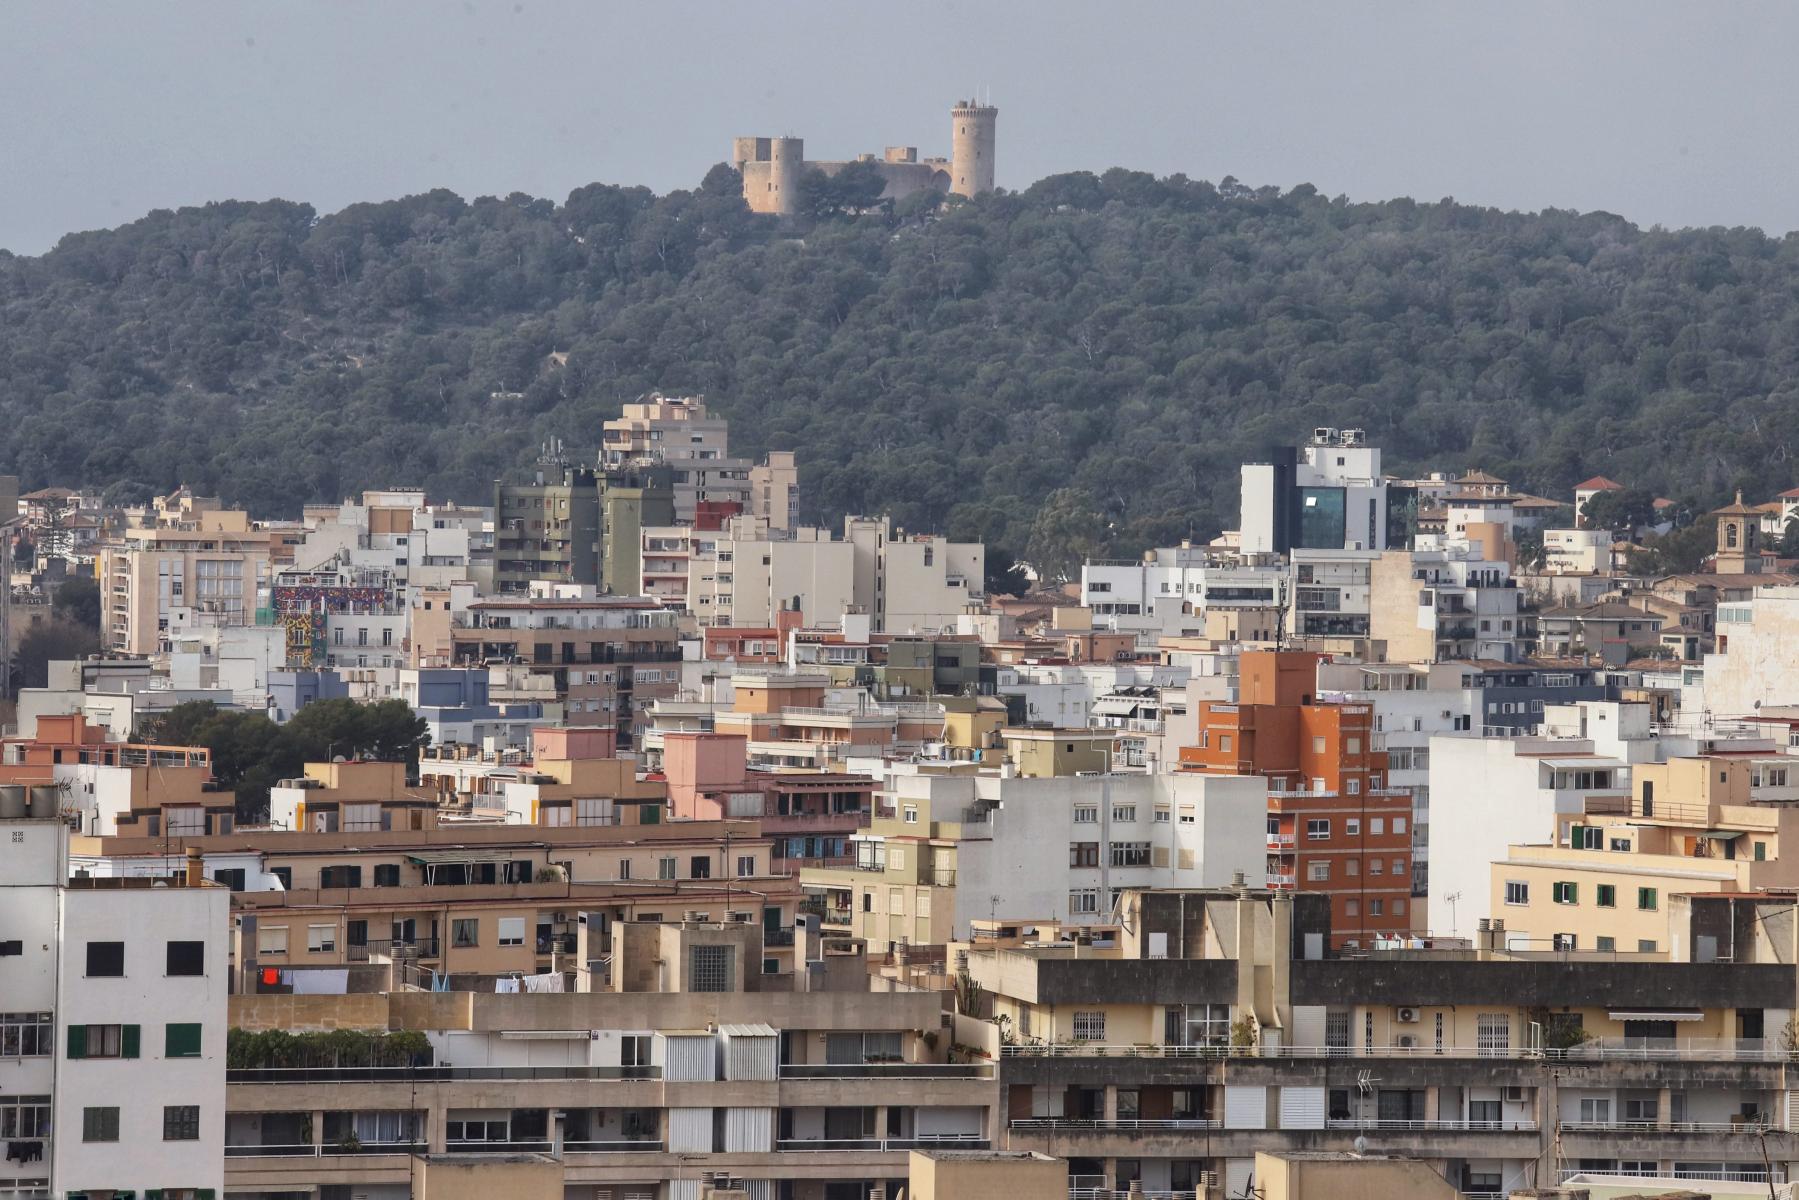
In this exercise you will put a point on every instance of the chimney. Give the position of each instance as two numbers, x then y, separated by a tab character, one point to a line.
196	872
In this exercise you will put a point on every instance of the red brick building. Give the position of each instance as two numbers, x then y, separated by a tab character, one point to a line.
1334	826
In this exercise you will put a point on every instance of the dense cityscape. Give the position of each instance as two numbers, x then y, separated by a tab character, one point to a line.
635	837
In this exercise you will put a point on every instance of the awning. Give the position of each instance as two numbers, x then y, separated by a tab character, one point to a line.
1683	1014
544	1035
749	1031
1118	706
440	858
1723	835
1583	764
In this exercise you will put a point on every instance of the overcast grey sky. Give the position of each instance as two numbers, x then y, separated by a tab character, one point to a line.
1677	114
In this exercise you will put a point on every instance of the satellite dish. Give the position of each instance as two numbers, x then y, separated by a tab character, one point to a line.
1361	1144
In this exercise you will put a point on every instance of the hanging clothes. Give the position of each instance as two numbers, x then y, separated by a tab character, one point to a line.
507	986
330	981
551	982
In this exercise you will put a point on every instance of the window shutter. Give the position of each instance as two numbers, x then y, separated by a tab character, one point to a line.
78	1041
1577	836
203	1193
152	1194
128	1040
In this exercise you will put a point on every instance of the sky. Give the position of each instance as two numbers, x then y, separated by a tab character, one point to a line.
1673	114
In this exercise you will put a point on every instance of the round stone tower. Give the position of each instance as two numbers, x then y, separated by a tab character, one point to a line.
786	160
971	147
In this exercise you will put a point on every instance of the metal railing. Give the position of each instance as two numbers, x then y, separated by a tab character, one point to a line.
1455	1124
885	1070
482	1146
1629	1049
1731	1173
1119	1125
626	1146
1755	1127
325	1149
430	1074
963	1141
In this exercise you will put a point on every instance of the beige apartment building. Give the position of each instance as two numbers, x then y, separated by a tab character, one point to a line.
157	580
1610	880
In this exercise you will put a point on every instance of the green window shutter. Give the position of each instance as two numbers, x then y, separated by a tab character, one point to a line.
78	1041
203	1193
129	1036
1577	836
181	1040
152	1194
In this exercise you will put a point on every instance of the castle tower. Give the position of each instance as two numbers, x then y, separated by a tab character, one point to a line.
1739	527
787	159
971	147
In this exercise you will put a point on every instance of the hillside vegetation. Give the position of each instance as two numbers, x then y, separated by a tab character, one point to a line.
1079	367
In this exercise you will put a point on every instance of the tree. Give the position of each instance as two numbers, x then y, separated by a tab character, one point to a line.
1677	552
387	730
1065	533
1623	512
1005	576
54	640
77	600
1788	545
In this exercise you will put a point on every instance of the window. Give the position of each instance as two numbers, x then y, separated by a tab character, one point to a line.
1083	900
321	939
1083	854
24	1117
1646	899
1375	866
1086	814
1162	816
1375	908
1563	941
271	940
1318	829
512	931
746	864
709	968
105	959
1399	866
180	1122
187	958
1130	854
1607	944
1126	813
99	1124
1353	786
1352	907
1645	945
665	868
1605	895
26	1035
387	875
1377	826
1399	908
1352	867
465	932
1318	871
1517	891
1089	1026
1398	826
700	867
181	1040
103	1041
1352	827
1563	892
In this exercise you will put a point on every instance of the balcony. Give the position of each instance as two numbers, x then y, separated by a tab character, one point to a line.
1447	1124
348	1148
1068	1125
426	947
1280	841
1750	1126
628	1146
886	1070
1282	879
1632	1049
777	937
953	1141
432	1074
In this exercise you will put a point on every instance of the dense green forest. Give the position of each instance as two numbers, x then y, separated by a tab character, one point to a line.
1079	366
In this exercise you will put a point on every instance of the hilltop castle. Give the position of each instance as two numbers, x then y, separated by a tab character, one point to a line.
771	167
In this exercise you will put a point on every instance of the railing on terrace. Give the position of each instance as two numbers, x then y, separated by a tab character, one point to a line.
1640	1049
1122	1125
968	1141
1106	1193
1755	1126
430	1074
525	1146
1456	1124
426	947
886	1070
626	1146
777	937
325	1150
1731	1173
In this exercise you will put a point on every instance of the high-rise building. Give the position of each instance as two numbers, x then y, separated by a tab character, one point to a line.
1327	495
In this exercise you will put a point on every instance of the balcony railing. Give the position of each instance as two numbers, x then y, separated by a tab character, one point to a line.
886	1070
1638	1049
430	1074
426	947
1457	1124
527	1146
971	1141
1077	1125
777	937
1731	1173
1755	1126
1280	840
325	1149
627	1146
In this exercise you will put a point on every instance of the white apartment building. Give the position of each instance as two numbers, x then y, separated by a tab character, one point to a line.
913	583
1446	603
1577	551
1756	663
1065	848
1328	495
1490	793
743	575
112	1042
1331	594
420	544
1168	592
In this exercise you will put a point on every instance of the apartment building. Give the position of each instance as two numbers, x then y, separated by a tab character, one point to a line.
337	615
775	490
1327	495
548	528
797	719
912	583
567	775
1607	879
747	573
608	658
679	432
157	580
1170	591
1442	604
950	845
1221	1026
112	1055
1330	602
679	1078
1335	823
397	529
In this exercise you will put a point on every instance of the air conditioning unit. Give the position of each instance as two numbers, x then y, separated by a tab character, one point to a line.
1208	1179
1408	1042
1406	1016
1514	1095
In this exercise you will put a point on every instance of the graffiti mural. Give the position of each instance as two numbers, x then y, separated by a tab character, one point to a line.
301	610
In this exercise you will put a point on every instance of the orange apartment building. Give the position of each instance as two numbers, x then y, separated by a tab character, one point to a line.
1334	826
